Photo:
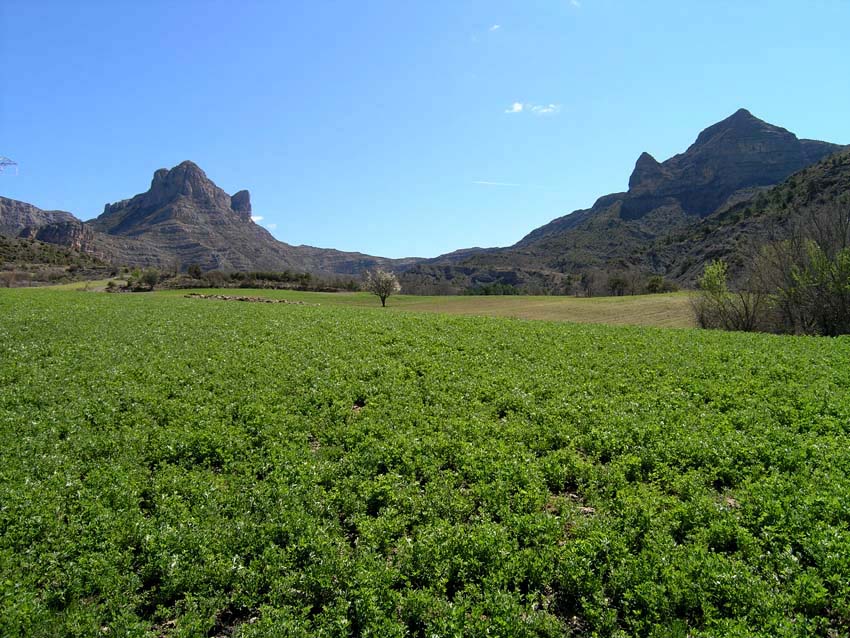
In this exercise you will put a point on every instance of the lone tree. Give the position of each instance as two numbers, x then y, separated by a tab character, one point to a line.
382	283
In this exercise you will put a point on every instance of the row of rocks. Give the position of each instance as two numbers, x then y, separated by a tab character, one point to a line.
197	295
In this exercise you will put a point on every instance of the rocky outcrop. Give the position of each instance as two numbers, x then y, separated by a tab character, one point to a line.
81	237
648	171
73	234
16	216
240	203
815	193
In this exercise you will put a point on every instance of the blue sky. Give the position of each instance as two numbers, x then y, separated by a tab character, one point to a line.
398	128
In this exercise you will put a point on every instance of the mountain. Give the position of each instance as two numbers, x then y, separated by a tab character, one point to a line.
190	219
15	216
660	225
734	233
183	219
729	163
738	153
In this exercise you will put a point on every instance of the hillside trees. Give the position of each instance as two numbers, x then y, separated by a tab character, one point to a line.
799	284
809	272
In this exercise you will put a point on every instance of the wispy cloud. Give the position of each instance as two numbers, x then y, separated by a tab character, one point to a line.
536	109
546	109
256	218
495	27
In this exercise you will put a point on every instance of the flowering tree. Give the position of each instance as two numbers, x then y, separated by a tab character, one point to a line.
382	283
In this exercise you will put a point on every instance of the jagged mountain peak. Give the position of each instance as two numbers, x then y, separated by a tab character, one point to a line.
240	203
739	152
181	194
647	169
722	145
186	172
740	124
185	180
183	219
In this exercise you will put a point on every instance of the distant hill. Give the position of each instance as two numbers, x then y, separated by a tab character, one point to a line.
183	219
730	162
15	216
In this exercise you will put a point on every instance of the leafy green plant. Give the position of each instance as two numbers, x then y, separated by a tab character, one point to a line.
311	470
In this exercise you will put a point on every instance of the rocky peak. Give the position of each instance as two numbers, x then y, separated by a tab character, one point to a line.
739	152
740	125
240	203
182	193
647	169
159	177
185	180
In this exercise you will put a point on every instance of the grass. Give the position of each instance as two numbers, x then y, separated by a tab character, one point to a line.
663	310
89	285
177	467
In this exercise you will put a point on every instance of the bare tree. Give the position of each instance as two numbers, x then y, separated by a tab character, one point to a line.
809	272
715	306
382	283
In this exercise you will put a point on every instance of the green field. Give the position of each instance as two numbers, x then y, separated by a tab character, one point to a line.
186	467
671	310
665	310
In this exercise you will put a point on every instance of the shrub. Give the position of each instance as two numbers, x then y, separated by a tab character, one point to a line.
715	306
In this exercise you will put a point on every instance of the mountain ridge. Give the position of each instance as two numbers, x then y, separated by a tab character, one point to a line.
16	215
730	162
184	218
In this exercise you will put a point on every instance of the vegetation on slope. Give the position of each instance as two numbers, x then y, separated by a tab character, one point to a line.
274	469
736	234
27	261
794	266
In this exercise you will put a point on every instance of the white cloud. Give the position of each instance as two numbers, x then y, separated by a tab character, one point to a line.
495	27
537	109
546	109
256	218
